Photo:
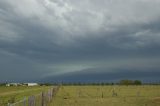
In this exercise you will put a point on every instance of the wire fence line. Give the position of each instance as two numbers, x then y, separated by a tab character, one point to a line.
41	99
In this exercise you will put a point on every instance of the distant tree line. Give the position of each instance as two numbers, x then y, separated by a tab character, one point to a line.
121	82
130	82
84	83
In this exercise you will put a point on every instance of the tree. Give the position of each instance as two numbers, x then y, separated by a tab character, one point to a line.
2	84
137	82
130	82
126	82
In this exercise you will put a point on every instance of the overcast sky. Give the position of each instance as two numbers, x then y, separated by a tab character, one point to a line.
79	39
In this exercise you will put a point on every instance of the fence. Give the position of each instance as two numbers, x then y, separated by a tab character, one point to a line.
42	99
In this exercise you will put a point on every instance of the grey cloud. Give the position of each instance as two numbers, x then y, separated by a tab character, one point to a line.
59	36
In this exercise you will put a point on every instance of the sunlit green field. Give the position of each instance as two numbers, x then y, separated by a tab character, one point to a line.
106	96
14	94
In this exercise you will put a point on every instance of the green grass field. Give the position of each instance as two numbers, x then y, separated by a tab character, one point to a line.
14	94
103	96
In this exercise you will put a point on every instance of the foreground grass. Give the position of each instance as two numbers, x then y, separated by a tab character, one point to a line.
14	94
103	96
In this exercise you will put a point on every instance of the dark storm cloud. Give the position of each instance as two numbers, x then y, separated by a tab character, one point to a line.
52	37
101	75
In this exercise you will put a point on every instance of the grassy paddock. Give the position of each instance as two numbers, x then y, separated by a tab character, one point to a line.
14	94
107	96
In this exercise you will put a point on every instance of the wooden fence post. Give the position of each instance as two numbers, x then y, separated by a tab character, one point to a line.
102	94
24	101
43	102
31	101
